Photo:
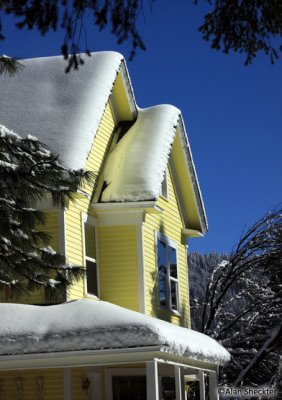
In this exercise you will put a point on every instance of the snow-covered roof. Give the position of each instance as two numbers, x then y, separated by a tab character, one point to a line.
61	110
135	168
95	325
64	111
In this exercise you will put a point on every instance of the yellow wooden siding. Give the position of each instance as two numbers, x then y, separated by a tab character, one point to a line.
37	297
169	223
73	215
118	265
52	228
100	146
77	375
52	381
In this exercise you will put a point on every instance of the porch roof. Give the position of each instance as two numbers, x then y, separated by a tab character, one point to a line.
96	325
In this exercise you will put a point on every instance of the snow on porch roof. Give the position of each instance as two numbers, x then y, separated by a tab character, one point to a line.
61	110
96	325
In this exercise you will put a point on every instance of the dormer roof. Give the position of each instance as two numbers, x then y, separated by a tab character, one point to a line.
135	168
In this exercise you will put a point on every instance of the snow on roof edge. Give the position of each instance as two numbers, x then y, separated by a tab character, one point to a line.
62	110
129	193
96	325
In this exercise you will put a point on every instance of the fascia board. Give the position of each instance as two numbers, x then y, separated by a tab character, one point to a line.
129	89
79	358
89	358
193	176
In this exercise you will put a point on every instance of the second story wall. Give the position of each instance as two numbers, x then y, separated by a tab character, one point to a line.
166	226
74	246
118	265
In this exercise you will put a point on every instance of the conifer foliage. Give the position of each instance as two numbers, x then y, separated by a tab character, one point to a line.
9	65
70	16
247	27
29	173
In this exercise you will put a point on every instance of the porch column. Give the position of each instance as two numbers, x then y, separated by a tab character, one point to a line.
202	385
177	374
152	380
213	386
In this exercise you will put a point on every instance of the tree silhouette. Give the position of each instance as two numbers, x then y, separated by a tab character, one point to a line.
248	27
241	304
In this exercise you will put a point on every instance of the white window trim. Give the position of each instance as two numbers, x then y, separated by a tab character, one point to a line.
160	236
91	221
96	378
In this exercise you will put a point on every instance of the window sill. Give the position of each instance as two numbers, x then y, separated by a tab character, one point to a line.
91	296
170	311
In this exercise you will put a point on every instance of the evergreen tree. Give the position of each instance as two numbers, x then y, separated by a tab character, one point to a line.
29	173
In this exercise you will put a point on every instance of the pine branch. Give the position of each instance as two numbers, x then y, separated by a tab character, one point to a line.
9	66
30	172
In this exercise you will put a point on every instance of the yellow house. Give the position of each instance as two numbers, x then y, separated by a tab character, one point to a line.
123	332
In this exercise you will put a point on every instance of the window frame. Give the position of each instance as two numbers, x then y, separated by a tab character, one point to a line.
168	243
87	219
164	186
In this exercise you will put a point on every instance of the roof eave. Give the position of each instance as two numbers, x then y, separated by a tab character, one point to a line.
102	357
129	89
193	176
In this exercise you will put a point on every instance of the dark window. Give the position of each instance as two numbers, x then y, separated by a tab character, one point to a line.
164	191
167	274
129	388
90	259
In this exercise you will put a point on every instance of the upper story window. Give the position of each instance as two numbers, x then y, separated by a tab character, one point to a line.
164	191
90	256
168	285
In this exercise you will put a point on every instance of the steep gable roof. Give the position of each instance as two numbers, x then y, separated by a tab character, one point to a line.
135	168
64	111
61	110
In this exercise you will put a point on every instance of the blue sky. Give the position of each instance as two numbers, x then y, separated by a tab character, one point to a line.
233	113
